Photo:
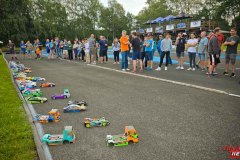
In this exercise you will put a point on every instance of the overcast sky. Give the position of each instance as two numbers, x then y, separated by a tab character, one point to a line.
132	6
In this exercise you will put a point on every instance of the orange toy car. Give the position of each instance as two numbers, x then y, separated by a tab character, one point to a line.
43	85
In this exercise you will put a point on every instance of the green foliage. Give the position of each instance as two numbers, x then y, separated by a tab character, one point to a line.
16	138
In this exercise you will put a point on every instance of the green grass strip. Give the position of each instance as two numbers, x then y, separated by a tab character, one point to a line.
16	138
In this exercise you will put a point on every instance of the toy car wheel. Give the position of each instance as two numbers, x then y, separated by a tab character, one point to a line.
50	85
65	97
53	97
41	101
104	124
65	142
87	125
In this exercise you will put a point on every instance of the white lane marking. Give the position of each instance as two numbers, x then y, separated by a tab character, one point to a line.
166	80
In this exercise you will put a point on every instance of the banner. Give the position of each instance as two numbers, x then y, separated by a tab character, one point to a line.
181	25
141	31
195	24
149	30
159	29
170	27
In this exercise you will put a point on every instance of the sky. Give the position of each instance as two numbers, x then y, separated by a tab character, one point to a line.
132	6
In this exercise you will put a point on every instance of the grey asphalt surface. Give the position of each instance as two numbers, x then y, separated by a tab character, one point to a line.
173	121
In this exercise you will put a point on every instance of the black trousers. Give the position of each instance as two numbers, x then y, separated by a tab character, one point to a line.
144	56
83	54
116	56
167	53
70	54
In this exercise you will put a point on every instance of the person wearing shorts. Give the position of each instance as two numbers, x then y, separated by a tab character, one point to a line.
148	50
231	52
136	46
180	48
103	49
202	49
214	50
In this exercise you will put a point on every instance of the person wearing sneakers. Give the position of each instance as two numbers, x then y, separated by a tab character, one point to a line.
136	46
124	41
180	44
192	49
166	47
231	52
148	49
202	49
116	49
214	51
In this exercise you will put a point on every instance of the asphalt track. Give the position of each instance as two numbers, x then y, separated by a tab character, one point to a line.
173	121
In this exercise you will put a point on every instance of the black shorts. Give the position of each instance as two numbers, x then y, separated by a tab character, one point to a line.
213	59
102	53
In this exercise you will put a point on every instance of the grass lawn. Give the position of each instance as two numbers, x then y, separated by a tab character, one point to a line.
16	139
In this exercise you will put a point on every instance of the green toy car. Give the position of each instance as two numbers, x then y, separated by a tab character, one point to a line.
34	100
32	93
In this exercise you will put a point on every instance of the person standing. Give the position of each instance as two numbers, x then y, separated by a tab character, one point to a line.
57	47
116	49
159	45
92	46
103	49
192	50
202	50
136	46
65	49
75	49
148	49
231	52
23	48
124	41
11	47
87	51
70	52
29	48
180	48
52	46
214	51
47	46
166	47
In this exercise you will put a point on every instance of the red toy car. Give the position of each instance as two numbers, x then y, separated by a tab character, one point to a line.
48	84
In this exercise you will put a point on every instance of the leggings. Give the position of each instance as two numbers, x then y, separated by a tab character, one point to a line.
167	53
116	56
192	60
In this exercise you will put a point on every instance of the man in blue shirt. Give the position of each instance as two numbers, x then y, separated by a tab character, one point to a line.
149	54
23	48
103	49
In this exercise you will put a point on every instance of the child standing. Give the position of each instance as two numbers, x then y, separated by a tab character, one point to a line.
87	51
52	49
29	49
38	53
23	48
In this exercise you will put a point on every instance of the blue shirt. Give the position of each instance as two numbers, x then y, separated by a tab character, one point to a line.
103	45
203	42
159	45
149	48
23	47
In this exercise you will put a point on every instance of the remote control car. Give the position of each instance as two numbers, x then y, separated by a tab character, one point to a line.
66	94
81	103
35	79
47	84
54	116
89	122
27	70
32	93
130	135
68	136
20	75
33	100
74	108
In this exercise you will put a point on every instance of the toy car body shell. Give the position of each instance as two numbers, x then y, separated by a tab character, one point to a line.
82	102
47	84
66	94
36	100
89	122
74	108
53	116
32	93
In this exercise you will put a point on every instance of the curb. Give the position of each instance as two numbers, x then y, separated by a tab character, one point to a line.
42	148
